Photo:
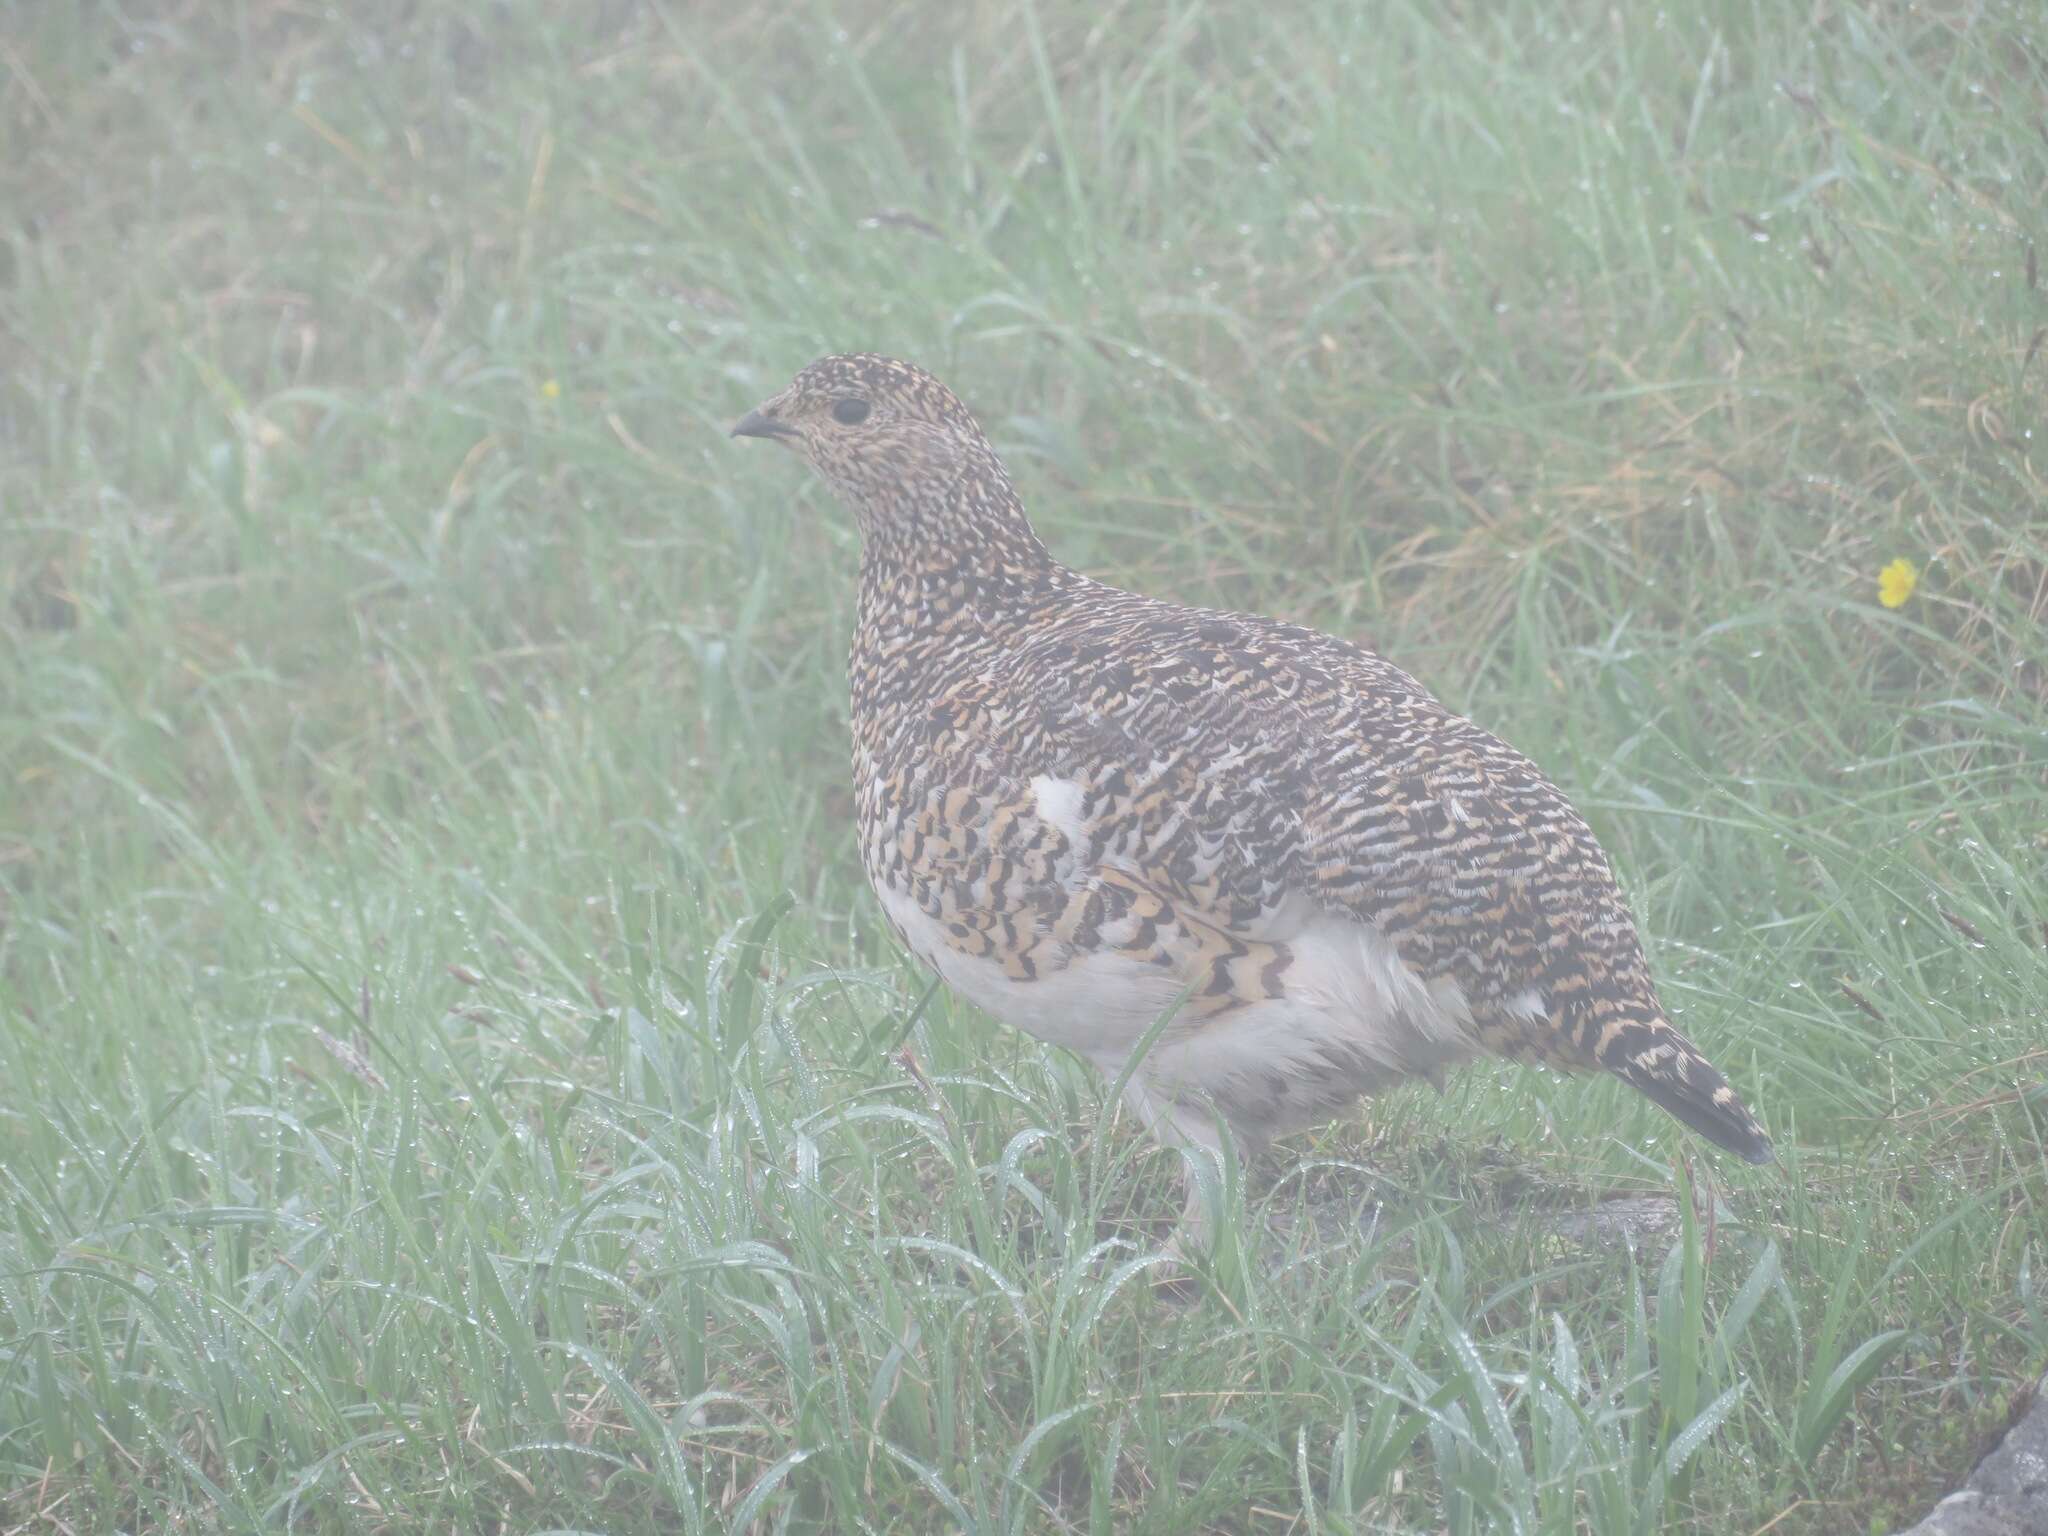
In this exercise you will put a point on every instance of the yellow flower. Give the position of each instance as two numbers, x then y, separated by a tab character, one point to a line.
552	390
1895	583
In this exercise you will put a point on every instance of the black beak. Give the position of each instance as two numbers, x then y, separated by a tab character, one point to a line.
754	424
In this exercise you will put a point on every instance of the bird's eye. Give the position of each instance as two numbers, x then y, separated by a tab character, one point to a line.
850	413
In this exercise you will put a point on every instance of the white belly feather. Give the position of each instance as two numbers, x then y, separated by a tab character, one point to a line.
1347	997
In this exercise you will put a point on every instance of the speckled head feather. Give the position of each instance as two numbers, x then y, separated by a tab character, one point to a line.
1083	806
901	450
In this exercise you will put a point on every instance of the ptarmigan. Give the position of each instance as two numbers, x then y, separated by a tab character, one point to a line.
1079	805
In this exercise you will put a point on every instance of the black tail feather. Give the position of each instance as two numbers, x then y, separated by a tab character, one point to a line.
1704	1101
1654	1058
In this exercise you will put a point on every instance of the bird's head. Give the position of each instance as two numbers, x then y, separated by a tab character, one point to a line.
893	442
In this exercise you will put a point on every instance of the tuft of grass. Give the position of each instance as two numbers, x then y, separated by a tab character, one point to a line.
450	1074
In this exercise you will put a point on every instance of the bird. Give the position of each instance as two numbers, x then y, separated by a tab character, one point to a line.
1091	810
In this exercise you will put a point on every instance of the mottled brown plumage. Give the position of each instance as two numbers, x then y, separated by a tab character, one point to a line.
1078	803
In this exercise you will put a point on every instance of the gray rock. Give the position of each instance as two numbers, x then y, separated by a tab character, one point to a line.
1969	1514
1636	1221
2008	1493
1646	1223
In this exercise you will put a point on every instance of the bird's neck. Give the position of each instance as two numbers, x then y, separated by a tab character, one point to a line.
964	554
942	591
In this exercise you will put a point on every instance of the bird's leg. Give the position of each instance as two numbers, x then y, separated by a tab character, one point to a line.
1193	1134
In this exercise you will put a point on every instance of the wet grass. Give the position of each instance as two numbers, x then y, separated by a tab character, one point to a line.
450	1074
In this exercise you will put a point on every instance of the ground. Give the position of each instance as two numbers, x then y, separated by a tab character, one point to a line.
451	1077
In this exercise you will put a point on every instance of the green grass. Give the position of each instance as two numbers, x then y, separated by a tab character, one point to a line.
397	655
